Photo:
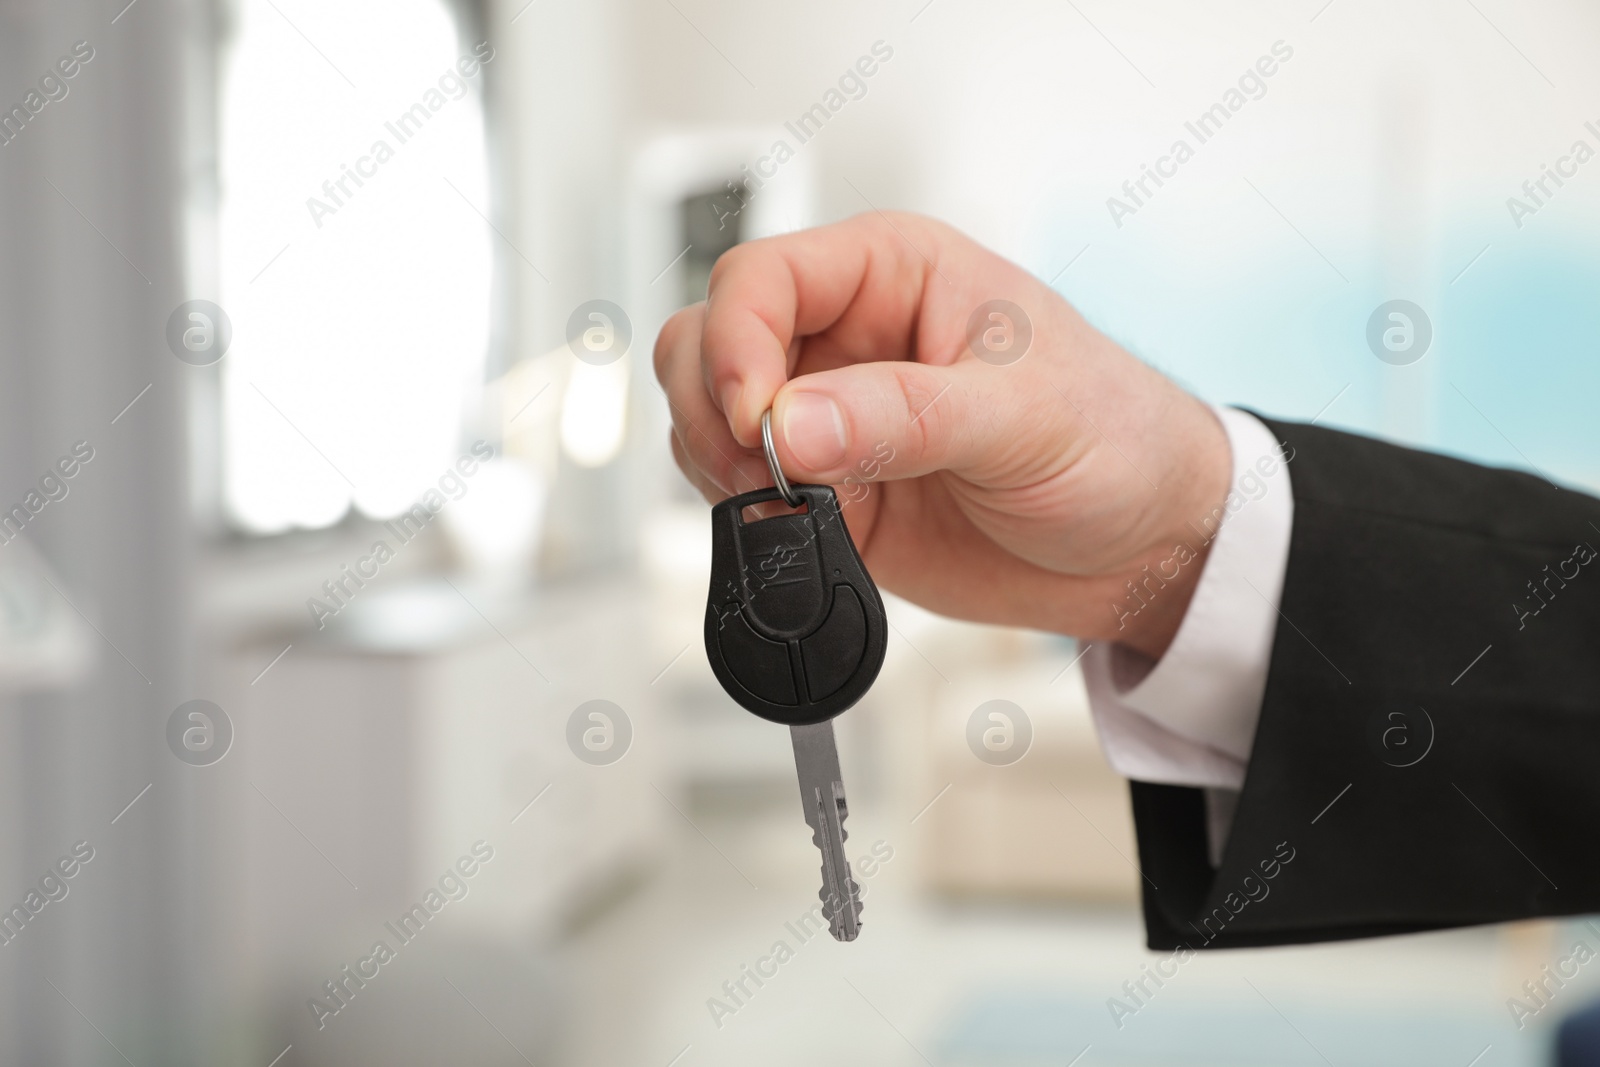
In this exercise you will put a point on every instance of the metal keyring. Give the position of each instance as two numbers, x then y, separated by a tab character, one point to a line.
790	497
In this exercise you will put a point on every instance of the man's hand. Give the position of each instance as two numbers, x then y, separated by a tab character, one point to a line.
1027	493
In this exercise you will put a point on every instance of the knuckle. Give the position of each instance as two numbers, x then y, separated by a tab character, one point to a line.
665	340
673	333
921	417
731	260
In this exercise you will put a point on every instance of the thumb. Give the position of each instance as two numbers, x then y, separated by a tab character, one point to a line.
971	418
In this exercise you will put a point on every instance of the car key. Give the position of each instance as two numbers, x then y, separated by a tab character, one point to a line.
795	631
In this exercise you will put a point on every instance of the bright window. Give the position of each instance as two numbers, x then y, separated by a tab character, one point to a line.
355	256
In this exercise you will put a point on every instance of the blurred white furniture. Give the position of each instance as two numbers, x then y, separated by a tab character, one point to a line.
433	717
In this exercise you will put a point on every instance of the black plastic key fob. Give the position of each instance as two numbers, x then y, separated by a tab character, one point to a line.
795	629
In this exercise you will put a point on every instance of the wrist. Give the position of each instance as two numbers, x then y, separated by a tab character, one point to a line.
1159	584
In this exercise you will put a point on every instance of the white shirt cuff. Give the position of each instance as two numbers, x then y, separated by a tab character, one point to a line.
1190	718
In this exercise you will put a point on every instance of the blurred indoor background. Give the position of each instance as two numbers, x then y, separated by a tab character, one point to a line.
285	281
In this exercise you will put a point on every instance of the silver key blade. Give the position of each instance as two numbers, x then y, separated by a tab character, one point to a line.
816	758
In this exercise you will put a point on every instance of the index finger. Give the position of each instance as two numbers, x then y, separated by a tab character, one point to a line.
855	278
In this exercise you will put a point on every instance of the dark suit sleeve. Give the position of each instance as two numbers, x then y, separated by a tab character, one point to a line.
1428	753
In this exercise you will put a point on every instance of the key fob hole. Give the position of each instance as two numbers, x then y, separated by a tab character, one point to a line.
770	509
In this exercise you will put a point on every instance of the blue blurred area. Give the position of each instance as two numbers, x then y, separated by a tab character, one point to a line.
1522	344
1019	1026
1510	379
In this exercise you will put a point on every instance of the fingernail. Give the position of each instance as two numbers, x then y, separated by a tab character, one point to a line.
813	428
